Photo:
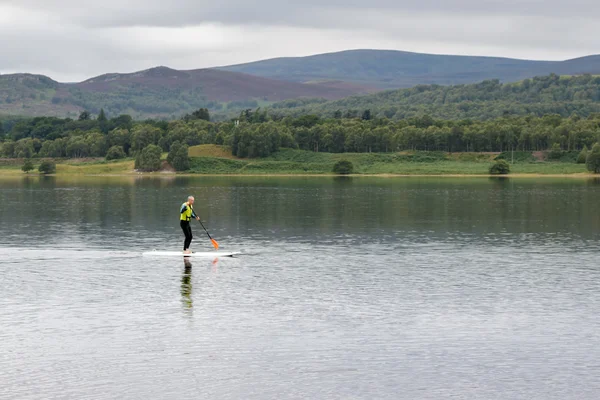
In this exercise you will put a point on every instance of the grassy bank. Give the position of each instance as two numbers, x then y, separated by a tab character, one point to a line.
289	161
72	167
211	159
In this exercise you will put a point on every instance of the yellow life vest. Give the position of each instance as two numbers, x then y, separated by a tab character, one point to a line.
187	212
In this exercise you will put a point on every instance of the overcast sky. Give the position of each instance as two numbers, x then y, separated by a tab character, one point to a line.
72	40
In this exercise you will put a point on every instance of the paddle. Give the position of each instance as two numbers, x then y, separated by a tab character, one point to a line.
214	242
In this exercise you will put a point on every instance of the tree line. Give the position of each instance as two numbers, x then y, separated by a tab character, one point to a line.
489	99
257	133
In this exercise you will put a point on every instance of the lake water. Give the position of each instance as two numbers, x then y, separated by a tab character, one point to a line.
358	288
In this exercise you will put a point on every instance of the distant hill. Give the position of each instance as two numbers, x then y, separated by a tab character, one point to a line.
164	92
388	69
157	91
539	96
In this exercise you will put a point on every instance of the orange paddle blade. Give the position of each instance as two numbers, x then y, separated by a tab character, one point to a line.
214	242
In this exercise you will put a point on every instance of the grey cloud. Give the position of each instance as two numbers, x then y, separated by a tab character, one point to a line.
276	12
73	40
72	54
495	30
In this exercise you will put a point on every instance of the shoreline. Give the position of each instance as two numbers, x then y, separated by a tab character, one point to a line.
208	161
296	175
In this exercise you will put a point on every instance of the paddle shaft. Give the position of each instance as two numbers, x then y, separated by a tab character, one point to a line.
213	241
205	230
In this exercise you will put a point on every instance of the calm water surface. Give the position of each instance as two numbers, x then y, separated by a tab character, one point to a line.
360	288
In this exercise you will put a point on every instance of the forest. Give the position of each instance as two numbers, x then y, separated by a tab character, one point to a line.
491	99
257	133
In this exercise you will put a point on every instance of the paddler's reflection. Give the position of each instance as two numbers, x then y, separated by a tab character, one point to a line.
186	284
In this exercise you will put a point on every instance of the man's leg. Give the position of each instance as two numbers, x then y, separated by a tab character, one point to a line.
185	226
188	237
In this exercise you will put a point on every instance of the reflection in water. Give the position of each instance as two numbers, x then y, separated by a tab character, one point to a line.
302	207
186	285
475	289
499	181
343	179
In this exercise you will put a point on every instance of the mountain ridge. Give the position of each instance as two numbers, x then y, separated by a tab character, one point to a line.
166	92
393	69
158	91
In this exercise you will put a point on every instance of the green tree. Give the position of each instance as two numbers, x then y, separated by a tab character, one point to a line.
115	153
593	159
555	152
144	135
343	167
501	167
582	157
148	159
181	161
259	116
316	137
97	144
202	113
338	139
181	132
306	121
84	116
164	143
24	148
120	137
8	149
173	151
302	137
77	147
54	148
103	121
102	116
47	167
27	166
123	121
37	145
235	141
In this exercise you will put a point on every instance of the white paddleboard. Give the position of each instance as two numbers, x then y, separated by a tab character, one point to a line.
210	254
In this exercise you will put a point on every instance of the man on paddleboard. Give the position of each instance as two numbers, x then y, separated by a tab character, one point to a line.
187	213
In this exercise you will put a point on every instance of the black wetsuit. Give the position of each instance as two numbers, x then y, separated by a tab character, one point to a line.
185	224
187	231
